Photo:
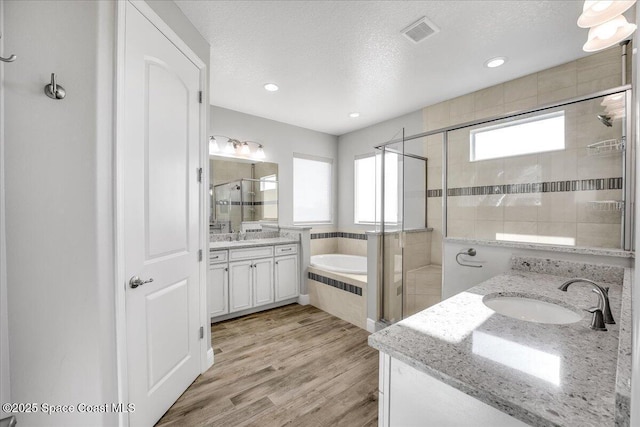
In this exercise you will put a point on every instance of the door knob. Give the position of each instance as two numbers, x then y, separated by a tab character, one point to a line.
135	281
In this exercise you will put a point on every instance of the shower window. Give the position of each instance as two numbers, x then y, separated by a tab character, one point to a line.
536	134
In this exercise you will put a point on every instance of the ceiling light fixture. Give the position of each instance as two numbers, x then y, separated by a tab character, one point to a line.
354	115
596	12
271	87
236	148
608	26
608	34
495	62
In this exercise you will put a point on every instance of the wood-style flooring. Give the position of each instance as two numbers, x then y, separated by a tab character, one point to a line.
294	366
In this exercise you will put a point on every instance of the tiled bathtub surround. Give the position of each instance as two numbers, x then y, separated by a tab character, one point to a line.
342	242
342	295
343	286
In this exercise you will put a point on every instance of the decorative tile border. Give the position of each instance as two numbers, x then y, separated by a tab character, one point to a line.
336	284
537	187
356	236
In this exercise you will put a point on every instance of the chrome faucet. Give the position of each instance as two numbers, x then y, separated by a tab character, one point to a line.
603	307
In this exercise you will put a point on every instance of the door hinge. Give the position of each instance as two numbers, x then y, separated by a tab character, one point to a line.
201	332
199	255
199	174
200	97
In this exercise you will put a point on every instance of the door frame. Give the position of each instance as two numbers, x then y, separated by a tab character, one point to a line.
206	352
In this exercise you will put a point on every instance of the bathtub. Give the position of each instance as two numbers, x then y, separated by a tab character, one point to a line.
350	264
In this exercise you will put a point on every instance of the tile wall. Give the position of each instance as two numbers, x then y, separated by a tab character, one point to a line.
569	215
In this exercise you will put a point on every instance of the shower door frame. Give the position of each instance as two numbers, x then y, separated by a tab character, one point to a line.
383	150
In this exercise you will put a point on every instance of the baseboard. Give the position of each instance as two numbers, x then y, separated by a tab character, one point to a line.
371	325
303	299
209	357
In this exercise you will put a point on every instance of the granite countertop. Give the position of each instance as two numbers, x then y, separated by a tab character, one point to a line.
542	374
237	244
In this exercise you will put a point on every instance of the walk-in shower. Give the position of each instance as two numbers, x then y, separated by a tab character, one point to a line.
554	175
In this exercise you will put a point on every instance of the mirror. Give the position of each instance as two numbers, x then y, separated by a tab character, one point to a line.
243	194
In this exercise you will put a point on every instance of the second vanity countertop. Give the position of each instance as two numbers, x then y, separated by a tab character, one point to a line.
542	374
237	244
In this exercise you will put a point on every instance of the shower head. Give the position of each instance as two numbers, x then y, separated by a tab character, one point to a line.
604	119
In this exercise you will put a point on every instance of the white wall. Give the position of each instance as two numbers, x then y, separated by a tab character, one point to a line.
361	142
280	141
5	380
58	165
59	246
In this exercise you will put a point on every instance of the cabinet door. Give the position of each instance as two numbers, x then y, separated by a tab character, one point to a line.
286	277
240	285
217	290
263	281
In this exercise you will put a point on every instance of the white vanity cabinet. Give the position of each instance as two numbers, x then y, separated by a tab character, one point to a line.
243	280
250	277
286	272
218	283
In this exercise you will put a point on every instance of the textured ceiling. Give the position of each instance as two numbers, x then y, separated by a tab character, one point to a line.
334	57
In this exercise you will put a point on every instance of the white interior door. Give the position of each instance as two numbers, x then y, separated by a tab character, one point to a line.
161	231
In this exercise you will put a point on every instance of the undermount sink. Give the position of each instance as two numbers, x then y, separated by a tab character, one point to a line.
532	310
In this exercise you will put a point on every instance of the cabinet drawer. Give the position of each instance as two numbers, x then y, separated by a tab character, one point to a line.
250	253
286	249
216	257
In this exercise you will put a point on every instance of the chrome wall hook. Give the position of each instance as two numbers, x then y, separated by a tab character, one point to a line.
54	90
11	58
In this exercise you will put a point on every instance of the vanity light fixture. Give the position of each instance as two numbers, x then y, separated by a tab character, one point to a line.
271	87
607	26
354	115
236	148
213	145
495	62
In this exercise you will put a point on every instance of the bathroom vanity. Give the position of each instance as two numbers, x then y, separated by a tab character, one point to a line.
252	275
460	363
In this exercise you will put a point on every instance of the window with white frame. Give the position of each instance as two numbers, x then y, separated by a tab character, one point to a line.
535	134
312	189
367	188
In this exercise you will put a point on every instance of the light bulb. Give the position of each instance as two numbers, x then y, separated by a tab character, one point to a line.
245	151
213	145
260	153
229	148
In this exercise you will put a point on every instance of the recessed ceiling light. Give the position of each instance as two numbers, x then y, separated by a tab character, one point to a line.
354	115
271	87
495	62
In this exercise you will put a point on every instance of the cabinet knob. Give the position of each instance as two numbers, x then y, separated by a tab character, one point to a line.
276	262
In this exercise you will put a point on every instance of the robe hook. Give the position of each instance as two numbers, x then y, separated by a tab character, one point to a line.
54	90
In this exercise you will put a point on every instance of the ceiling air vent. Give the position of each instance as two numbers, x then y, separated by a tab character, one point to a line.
420	30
